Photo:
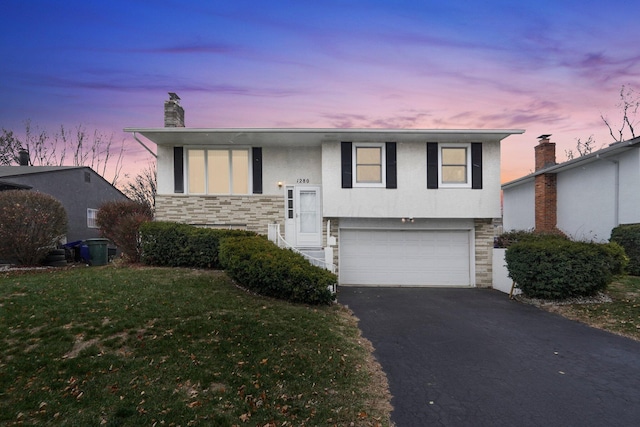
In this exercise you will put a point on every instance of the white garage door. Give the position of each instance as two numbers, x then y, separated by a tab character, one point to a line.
399	257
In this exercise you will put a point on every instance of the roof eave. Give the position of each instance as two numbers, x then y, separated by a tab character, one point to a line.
307	136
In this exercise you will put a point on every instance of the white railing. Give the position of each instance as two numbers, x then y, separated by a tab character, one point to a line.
276	237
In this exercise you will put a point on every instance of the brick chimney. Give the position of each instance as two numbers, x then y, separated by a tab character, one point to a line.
173	112
546	192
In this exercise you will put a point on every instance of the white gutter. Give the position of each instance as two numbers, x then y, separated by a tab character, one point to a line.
141	143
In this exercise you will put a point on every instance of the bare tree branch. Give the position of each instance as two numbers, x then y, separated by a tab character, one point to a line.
143	187
628	105
95	152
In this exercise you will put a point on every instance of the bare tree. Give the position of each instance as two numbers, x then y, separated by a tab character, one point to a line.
46	150
629	104
582	147
143	187
9	147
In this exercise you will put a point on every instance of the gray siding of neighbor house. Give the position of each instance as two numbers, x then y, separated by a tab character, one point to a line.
78	189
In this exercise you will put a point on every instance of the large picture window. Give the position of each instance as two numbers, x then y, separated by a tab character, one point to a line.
218	171
368	164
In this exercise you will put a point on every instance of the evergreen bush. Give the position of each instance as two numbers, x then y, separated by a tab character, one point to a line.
31	224
628	236
264	268
553	268
172	244
509	238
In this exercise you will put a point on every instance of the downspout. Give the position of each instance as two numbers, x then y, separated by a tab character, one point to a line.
616	207
147	148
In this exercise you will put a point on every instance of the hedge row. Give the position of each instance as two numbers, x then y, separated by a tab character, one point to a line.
268	270
554	268
171	244
628	236
248	258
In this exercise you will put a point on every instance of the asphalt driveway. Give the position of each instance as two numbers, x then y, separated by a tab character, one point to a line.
472	357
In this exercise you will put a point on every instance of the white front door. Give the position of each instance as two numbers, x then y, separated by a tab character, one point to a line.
304	222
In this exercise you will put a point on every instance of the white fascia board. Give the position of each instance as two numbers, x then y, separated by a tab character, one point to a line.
313	136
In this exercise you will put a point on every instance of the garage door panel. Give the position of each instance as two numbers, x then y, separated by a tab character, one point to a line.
415	258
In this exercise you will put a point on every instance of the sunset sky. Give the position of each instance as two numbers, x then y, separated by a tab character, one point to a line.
549	66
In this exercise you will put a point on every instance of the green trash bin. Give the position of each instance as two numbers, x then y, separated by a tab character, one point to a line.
98	251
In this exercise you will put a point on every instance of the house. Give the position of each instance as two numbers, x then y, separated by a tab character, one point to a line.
79	188
585	197
384	206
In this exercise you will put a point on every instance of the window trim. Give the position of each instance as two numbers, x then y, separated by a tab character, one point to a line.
383	168
206	192
468	183
91	219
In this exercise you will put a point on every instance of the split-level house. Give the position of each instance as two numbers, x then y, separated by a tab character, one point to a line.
585	197
384	207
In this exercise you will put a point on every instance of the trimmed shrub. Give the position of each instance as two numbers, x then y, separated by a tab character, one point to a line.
509	238
266	269
552	268
31	224
628	236
172	244
120	222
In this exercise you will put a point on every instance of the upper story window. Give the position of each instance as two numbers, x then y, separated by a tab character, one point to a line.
455	170
92	214
223	171
368	164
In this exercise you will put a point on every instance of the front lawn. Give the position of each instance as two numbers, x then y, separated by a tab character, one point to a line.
621	316
176	347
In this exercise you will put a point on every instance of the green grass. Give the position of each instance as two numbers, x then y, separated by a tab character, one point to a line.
621	316
153	346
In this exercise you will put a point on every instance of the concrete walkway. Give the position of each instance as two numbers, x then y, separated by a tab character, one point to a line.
472	357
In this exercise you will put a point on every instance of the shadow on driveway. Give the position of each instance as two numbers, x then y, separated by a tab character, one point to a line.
472	357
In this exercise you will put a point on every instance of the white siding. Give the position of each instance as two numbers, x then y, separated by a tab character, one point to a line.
165	170
586	201
588	206
288	165
630	188
519	207
411	198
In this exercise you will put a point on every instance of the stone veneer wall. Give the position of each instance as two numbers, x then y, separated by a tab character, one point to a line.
484	252
251	212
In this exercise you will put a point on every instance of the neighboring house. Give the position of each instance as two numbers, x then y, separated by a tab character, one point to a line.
80	190
387	207
585	197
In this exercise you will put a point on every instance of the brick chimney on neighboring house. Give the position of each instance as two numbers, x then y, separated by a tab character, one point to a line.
173	112
546	196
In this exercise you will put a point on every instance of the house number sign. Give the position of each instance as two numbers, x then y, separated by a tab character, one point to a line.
302	181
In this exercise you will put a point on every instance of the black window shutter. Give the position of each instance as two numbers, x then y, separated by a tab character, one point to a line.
346	156
256	155
392	170
178	170
432	165
476	165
